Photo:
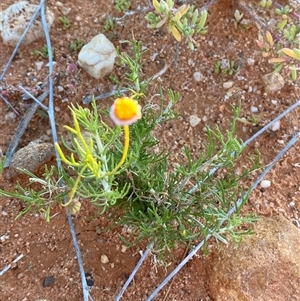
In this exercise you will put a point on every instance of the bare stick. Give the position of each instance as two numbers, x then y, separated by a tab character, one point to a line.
9	104
9	265
149	247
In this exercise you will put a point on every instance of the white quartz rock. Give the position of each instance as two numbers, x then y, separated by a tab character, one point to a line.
14	20
98	56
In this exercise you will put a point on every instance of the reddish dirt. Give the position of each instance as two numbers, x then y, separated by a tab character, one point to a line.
47	247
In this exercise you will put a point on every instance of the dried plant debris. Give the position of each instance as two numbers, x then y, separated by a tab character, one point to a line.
30	157
14	20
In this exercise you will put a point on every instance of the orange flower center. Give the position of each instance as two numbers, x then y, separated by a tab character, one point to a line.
126	108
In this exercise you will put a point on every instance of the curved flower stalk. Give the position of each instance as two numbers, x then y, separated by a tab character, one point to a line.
124	112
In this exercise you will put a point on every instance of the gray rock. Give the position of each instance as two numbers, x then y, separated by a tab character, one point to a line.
97	57
265	266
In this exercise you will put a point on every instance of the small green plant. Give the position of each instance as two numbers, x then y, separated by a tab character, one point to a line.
265	3
109	24
184	21
283	10
65	22
135	85
265	44
229	68
120	167
76	45
122	5
291	32
43	52
280	26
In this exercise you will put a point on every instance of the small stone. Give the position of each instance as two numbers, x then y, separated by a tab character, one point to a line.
225	64
89	279
98	230
104	258
39	65
273	82
228	85
10	116
48	281
276	126
265	183
198	76
250	61
274	101
254	109
97	57
65	10
60	88
194	120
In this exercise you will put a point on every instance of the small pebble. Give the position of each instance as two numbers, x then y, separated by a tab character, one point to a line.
194	120
89	279
98	230
65	10
228	85
265	183
250	61
254	109
276	126
10	116
104	258
48	281
274	102
198	76
39	65
60	88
